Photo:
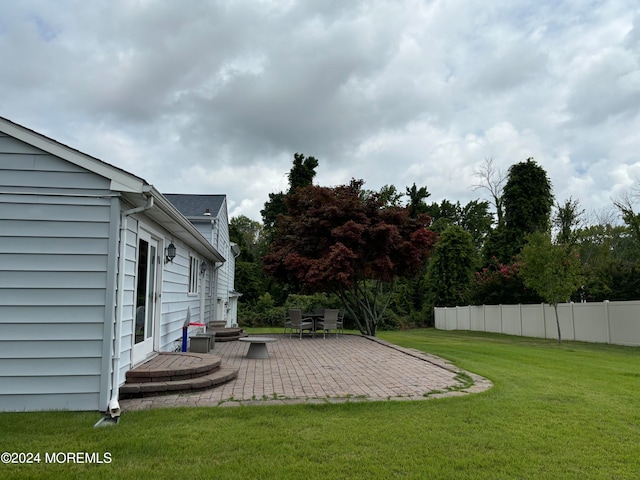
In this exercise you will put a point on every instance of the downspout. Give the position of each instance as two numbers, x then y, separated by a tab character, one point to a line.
114	406
213	298
214	293
203	294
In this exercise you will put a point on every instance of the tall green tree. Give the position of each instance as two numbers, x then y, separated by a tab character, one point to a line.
332	240
388	195
443	214
451	268
272	208
552	270
567	219
248	235
527	200
302	173
610	261
474	217
625	203
416	204
249	277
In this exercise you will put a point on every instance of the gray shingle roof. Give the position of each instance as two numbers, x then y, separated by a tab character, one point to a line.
196	205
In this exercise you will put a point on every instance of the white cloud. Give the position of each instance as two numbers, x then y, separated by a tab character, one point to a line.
217	97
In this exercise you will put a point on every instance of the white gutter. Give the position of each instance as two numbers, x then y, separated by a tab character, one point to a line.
114	406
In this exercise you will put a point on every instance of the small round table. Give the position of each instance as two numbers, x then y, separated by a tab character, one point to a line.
257	346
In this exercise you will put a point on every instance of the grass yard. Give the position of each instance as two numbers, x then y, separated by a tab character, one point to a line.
555	412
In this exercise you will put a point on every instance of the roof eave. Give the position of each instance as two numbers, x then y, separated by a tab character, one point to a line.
201	244
121	181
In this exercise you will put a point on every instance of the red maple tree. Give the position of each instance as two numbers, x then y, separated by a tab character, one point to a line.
340	240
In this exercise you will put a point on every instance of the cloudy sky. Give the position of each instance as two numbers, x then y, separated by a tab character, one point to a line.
212	96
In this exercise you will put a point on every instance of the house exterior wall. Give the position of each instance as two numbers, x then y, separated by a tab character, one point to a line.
219	304
208	289
176	298
209	231
57	243
68	223
227	271
173	285
128	284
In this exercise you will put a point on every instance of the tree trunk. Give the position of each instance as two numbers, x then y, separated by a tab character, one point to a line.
366	306
555	307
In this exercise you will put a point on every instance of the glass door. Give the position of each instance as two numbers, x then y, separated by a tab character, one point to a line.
146	298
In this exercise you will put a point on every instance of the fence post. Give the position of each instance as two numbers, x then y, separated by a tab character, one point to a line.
573	322
520	313
607	319
484	318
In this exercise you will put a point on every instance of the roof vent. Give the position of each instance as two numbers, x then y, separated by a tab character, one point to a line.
207	212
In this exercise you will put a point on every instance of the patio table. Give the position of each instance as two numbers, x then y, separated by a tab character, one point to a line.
315	318
257	346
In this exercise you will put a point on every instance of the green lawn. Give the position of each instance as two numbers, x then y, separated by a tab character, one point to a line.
556	412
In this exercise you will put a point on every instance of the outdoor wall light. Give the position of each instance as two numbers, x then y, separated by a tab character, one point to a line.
170	253
203	268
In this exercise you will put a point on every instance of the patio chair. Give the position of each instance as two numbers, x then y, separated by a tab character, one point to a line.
341	321
287	322
329	322
299	323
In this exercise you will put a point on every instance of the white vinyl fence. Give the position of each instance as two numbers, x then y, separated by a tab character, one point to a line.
599	322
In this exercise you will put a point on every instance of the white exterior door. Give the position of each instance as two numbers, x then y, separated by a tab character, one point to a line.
145	323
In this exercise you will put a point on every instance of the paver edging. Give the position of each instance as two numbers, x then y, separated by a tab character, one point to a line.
480	384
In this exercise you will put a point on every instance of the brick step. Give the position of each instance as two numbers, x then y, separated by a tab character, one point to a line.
209	380
217	324
170	366
227	334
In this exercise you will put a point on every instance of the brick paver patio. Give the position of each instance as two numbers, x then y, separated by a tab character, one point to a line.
317	370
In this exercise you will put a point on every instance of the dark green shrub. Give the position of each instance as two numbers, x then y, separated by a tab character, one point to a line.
263	314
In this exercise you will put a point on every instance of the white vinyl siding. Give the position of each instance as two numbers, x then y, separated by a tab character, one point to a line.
219	279
226	272
128	301
176	299
60	238
55	243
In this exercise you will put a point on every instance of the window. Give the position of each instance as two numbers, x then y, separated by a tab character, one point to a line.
193	275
